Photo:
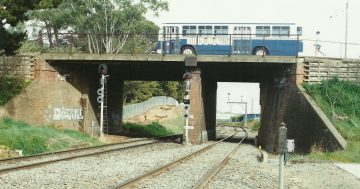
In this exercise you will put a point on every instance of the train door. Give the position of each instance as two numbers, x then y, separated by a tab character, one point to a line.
242	40
171	43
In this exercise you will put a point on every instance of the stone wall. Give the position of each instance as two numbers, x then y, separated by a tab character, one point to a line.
17	66
318	69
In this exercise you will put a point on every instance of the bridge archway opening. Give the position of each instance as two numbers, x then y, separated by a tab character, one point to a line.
148	108
238	105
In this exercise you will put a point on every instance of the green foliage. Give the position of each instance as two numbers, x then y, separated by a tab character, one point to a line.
139	91
33	140
151	130
30	46
343	94
10	87
175	89
340	101
256	126
238	118
107	24
13	14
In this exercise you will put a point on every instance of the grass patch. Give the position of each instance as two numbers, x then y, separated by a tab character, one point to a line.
151	130
340	101
175	125
34	140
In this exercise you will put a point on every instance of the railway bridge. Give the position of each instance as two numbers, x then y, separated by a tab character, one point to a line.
69	84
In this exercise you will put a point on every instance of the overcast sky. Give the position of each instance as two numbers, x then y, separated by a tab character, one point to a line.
326	16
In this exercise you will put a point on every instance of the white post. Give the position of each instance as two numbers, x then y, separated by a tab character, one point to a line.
245	124
187	131
281	171
102	106
92	128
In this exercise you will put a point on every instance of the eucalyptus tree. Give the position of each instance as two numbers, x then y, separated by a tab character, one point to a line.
110	25
50	18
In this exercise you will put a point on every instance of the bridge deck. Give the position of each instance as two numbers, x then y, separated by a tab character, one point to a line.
167	58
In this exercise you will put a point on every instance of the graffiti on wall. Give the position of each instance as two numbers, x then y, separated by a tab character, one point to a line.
68	114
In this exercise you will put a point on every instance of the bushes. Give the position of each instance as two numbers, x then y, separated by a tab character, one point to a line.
342	95
10	87
151	130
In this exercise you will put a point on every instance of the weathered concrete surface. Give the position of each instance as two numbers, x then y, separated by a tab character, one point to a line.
353	168
316	128
196	108
166	58
40	101
51	99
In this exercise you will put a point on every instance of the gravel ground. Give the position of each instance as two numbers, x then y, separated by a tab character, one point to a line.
188	173
243	170
98	171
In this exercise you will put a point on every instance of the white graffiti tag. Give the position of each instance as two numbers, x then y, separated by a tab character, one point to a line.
67	114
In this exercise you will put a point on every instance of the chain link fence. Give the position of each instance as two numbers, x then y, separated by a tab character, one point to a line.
133	110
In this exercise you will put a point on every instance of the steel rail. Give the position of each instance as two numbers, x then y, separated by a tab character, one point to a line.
42	163
16	159
215	170
128	183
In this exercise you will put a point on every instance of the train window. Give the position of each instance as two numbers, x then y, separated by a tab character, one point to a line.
205	30
188	30
281	31
262	31
221	30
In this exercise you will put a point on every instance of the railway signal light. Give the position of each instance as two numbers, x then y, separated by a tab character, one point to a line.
187	76
187	100
103	69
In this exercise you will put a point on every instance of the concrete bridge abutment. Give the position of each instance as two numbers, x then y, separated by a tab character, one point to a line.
64	92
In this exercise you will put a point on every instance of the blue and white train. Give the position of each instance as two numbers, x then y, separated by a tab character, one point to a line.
277	39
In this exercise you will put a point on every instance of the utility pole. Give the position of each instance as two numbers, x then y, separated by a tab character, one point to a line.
346	28
246	113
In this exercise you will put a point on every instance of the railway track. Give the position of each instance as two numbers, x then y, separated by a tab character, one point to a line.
134	182
217	168
28	162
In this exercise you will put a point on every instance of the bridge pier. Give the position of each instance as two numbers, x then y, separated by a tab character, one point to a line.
209	97
115	103
196	111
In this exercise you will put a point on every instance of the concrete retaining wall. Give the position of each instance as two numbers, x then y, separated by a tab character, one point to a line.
51	99
309	126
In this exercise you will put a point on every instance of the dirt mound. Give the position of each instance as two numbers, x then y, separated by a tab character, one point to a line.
157	114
